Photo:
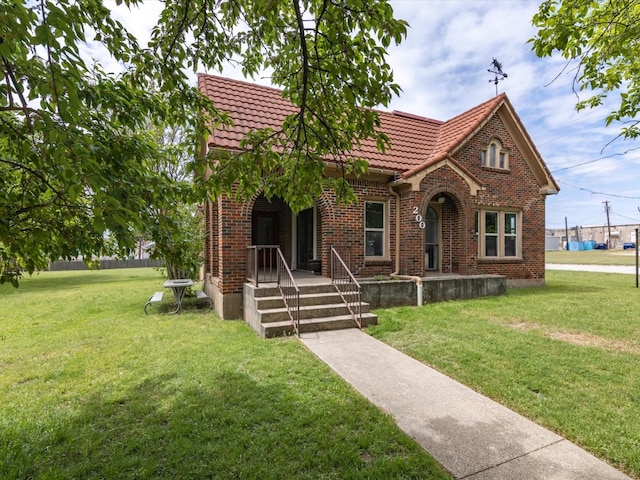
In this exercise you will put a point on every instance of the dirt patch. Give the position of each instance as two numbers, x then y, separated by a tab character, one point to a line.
518	324
589	340
582	339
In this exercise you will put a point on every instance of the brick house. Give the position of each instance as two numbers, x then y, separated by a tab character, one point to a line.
464	196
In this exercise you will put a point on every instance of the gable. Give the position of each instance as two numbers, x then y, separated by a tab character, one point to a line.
448	161
460	130
510	119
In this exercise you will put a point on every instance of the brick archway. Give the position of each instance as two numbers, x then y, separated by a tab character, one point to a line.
453	241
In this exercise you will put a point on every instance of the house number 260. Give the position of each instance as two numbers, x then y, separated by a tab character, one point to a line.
421	223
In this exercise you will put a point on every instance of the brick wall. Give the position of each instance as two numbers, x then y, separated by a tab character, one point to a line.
343	227
516	187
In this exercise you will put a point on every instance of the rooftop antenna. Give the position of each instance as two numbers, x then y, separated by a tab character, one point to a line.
496	69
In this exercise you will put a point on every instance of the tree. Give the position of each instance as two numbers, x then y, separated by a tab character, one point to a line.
75	160
178	237
177	228
599	39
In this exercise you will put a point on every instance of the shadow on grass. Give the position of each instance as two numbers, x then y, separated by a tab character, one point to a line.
52	281
230	427
190	304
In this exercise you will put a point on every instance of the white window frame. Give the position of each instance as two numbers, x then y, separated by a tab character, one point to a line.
384	230
495	156
501	234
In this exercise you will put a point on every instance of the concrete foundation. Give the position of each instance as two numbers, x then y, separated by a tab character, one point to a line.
525	282
397	293
229	306
442	289
385	293
388	293
251	316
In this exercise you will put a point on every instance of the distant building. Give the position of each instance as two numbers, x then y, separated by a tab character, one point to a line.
620	234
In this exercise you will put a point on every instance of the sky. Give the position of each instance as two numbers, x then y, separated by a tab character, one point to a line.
442	68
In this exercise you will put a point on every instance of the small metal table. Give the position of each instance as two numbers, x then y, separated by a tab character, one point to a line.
179	287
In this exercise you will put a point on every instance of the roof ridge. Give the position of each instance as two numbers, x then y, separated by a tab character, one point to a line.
493	100
400	113
235	80
478	120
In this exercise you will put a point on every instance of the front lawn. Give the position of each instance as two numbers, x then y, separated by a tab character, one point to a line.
90	387
592	257
567	356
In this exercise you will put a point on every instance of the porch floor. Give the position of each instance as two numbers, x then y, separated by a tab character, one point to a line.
305	277
302	278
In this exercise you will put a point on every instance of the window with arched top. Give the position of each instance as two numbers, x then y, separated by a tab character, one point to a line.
495	156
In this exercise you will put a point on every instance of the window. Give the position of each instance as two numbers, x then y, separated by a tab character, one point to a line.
375	229
498	233
510	235
495	156
491	234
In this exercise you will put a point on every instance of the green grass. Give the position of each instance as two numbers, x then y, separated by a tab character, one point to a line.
567	356
592	257
90	387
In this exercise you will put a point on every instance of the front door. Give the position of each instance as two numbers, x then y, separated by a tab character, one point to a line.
265	231
431	240
305	239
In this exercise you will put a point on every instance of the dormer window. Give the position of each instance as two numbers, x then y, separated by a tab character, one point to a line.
494	156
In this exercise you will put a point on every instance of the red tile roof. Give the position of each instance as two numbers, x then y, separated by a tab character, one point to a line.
416	142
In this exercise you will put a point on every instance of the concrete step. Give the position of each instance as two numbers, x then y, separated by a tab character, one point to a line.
276	301
340	322
272	291
308	311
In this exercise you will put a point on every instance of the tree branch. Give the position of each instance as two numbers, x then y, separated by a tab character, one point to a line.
16	85
305	66
178	31
36	173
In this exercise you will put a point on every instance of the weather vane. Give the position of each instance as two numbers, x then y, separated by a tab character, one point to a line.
496	69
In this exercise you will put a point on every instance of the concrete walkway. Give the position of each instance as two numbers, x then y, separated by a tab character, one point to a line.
471	436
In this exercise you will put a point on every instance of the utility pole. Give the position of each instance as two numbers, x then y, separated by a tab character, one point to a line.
566	232
606	209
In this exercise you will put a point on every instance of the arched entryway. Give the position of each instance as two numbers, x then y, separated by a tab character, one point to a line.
274	224
443	243
271	227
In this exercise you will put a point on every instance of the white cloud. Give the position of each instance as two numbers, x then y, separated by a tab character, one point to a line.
138	20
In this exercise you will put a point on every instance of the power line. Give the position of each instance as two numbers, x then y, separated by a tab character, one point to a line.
635	220
598	193
620	154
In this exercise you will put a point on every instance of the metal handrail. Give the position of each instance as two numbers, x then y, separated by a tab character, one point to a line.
261	263
347	286
289	291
